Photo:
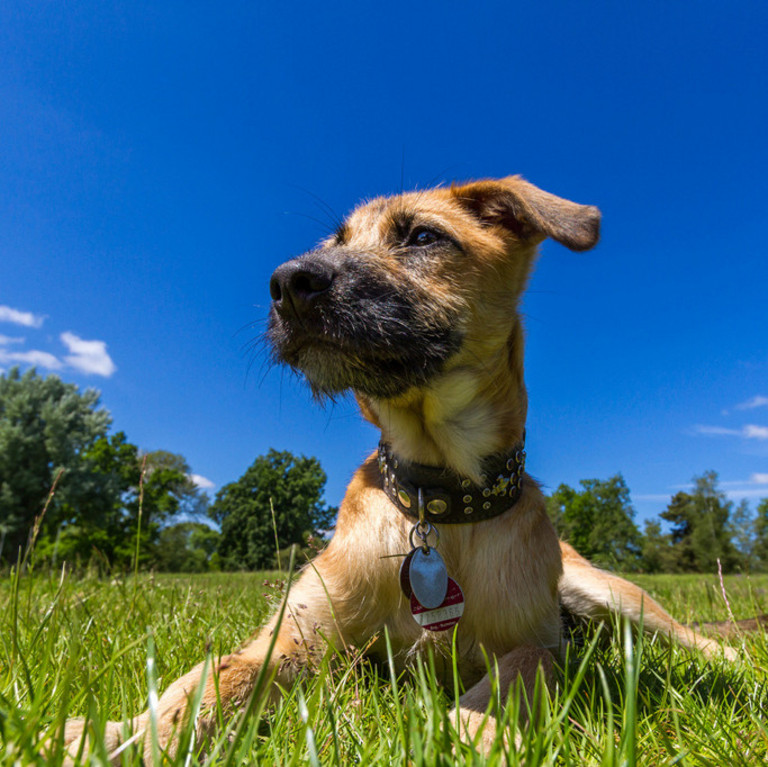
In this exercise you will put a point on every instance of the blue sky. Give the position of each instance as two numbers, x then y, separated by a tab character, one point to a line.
159	160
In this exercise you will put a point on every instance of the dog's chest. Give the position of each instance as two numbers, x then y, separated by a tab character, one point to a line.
507	602
509	598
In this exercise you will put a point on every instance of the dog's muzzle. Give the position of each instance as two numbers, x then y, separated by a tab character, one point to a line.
346	322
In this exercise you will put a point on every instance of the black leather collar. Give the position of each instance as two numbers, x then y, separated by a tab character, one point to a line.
449	498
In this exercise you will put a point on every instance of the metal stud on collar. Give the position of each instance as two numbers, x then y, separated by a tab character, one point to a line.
437	506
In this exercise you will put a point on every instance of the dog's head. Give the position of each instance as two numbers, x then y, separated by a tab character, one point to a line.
415	284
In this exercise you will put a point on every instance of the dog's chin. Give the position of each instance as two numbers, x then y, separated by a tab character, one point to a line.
330	371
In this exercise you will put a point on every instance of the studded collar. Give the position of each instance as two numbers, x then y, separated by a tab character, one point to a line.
449	498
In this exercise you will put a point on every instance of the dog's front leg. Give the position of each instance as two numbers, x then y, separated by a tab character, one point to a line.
518	671
308	624
232	681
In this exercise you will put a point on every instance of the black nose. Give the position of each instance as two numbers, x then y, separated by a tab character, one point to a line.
297	284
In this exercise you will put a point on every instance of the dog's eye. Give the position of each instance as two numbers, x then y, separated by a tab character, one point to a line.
422	236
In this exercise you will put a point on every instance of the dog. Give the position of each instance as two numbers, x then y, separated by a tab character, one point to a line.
413	305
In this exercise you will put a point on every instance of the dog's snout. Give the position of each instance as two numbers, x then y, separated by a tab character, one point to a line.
299	283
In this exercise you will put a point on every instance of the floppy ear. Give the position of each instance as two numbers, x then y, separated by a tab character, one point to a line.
531	213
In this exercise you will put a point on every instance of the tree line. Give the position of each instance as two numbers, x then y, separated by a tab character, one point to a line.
705	530
72	491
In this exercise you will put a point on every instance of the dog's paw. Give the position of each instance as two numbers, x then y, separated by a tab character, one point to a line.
714	650
475	728
77	742
730	654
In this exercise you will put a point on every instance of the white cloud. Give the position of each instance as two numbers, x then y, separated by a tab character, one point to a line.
753	492
88	356
202	482
699	429
33	357
756	401
750	431
7	340
29	320
734	490
755	432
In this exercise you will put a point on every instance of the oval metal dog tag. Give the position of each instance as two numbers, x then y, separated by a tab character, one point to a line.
428	577
444	616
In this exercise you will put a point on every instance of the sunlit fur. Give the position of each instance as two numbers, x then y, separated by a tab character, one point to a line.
470	403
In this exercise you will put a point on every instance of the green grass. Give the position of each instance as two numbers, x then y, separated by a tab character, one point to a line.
79	647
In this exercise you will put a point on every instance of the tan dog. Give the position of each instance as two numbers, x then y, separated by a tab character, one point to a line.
413	305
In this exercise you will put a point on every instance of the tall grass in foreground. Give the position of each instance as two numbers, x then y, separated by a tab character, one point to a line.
80	647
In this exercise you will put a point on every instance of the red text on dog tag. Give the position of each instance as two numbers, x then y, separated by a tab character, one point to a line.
445	615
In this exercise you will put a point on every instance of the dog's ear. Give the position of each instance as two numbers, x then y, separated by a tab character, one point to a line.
531	213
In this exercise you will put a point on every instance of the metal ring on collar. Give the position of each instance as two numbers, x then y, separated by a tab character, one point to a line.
430	528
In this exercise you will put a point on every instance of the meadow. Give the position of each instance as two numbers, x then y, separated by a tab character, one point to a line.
90	646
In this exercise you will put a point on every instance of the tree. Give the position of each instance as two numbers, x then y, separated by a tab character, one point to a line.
598	521
760	548
116	482
45	426
187	547
292	486
741	529
157	489
656	554
700	527
97	521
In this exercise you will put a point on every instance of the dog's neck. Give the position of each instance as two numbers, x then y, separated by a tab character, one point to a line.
476	407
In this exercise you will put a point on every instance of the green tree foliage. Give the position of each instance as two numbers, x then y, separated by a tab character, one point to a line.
760	547
598	521
105	523
165	492
294	486
45	426
656	553
742	533
97	521
187	547
700	527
